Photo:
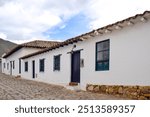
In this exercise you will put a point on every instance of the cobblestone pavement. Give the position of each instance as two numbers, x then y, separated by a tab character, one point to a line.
20	89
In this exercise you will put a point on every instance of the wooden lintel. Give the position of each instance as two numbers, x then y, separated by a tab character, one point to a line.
70	52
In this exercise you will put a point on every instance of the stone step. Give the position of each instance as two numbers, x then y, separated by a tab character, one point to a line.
73	88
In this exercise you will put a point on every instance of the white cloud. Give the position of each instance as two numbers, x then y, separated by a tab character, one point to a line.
3	36
24	40
20	21
63	26
104	12
25	20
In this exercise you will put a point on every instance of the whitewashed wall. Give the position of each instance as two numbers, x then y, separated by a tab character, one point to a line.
15	57
56	77
129	60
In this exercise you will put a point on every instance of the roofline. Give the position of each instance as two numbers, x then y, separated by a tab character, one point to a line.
16	48
93	33
12	51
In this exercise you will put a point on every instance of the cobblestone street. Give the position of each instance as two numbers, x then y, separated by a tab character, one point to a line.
19	89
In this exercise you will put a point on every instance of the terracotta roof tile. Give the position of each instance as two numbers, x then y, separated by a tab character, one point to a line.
40	44
33	44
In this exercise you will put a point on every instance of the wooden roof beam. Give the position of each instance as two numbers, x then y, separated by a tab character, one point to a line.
96	32
143	19
92	34
87	36
130	23
100	31
107	31
82	38
118	27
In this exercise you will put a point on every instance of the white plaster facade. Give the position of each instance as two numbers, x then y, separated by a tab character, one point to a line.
129	60
8	69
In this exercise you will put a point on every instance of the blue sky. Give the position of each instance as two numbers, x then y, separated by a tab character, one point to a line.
28	20
74	26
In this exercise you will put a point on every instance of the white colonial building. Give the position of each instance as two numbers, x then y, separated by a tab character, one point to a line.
117	54
11	62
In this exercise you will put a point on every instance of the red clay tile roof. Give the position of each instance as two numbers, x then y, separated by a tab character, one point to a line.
40	44
33	44
120	24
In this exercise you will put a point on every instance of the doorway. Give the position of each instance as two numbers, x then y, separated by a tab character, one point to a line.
33	69
75	67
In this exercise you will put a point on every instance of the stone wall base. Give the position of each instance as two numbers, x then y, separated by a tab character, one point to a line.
132	92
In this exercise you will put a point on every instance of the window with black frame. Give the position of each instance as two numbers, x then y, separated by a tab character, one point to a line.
26	66
56	66
102	55
42	65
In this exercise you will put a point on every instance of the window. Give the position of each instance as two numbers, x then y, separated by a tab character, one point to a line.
13	64
26	66
102	55
56	63
42	65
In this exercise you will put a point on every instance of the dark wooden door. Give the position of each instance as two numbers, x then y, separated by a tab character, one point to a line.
75	67
33	69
